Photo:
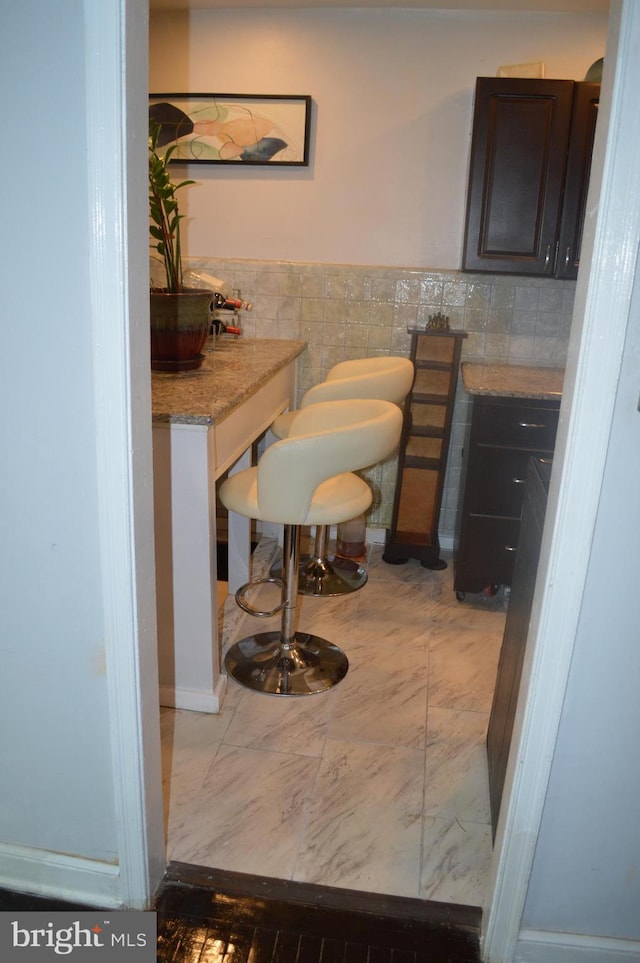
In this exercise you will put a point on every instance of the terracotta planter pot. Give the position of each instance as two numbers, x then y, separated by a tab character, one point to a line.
179	328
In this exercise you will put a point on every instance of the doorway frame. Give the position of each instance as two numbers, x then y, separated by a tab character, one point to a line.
599	325
592	374
116	105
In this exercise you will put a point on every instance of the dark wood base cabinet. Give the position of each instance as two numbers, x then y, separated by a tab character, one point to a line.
504	434
505	697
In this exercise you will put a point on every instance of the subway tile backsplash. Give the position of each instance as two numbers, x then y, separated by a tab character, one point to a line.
353	311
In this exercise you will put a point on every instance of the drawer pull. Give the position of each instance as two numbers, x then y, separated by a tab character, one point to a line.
510	548
531	424
518	481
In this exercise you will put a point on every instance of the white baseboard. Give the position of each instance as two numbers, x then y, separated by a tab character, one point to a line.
196	700
270	530
56	875
535	946
375	536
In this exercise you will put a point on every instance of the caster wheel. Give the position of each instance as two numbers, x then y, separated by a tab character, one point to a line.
461	596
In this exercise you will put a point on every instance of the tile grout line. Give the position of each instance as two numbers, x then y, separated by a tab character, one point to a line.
440	609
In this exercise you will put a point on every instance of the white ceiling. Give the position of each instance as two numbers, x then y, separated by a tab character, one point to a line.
558	6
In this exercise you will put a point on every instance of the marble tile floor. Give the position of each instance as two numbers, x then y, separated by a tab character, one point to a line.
378	785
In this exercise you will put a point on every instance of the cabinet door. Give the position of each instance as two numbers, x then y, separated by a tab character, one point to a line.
499	490
491	550
505	697
583	129
518	158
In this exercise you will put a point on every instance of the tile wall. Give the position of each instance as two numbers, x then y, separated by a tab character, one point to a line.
345	311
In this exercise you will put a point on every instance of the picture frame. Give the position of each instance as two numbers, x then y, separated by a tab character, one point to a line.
243	129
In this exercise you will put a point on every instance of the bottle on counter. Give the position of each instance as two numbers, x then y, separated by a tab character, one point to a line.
230	304
218	326
230	329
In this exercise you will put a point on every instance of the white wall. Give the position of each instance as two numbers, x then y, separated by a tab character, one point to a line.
55	741
566	839
585	874
76	542
585	877
392	93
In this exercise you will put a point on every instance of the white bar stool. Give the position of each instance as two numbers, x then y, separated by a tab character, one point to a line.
385	378
305	479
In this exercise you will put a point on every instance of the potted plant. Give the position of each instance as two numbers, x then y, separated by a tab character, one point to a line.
180	318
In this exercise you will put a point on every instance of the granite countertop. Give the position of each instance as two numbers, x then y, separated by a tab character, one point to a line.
232	371
513	381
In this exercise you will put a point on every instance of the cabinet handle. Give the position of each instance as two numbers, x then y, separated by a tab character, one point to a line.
510	548
567	257
518	481
547	257
530	424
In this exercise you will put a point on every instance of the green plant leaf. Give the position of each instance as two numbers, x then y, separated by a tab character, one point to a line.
163	210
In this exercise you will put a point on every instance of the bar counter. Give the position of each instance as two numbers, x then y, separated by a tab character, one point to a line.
204	424
513	381
233	370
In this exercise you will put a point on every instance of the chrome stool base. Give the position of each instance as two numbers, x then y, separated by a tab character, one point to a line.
309	665
326	577
322	575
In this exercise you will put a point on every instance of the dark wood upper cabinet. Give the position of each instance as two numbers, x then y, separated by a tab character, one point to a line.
529	174
583	129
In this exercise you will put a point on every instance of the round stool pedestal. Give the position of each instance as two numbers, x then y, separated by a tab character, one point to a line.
263	663
328	576
322	575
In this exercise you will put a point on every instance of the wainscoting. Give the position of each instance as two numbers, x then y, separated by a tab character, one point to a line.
350	311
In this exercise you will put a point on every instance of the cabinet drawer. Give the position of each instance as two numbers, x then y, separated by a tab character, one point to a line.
497	486
526	426
491	549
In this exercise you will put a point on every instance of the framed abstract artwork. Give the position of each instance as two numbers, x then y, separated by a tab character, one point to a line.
242	129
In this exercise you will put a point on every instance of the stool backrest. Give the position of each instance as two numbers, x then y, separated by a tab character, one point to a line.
325	440
386	378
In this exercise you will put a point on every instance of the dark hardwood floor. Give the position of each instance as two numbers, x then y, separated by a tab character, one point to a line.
208	915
